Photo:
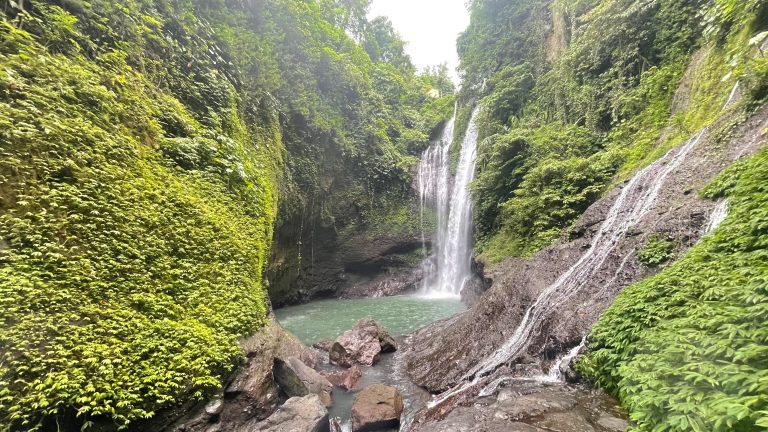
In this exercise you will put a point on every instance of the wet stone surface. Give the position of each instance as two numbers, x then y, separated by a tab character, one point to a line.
528	406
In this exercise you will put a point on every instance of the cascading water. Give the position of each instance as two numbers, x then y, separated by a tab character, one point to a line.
636	199
449	268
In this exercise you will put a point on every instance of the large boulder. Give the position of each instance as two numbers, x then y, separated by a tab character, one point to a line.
346	379
376	407
297	379
298	414
361	345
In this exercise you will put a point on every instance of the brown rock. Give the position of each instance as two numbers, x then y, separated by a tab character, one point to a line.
346	379
361	345
376	407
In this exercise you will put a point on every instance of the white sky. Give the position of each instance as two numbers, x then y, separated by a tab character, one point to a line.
430	28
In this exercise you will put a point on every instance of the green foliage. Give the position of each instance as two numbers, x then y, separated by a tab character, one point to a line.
655	251
136	222
615	82
686	349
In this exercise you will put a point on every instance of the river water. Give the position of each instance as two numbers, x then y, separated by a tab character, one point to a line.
400	315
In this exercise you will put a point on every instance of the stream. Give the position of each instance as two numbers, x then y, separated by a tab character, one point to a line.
400	315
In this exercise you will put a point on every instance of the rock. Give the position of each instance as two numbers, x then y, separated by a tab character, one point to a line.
565	422
513	406
376	407
297	379
214	407
361	345
346	379
612	423
323	345
298	414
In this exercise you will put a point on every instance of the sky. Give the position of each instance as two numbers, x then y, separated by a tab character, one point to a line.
430	28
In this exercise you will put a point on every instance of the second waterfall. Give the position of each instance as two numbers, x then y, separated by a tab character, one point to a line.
449	267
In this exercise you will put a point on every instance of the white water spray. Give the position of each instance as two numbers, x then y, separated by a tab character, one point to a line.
448	270
717	216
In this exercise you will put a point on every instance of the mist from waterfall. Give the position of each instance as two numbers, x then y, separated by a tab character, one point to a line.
448	269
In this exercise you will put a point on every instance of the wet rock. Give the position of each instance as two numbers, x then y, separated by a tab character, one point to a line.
361	345
335	424
346	379
297	379
565	422
376	407
298	414
468	419
323	345
612	424
514	406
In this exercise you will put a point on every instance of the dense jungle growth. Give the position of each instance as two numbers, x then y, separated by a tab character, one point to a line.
579	94
148	149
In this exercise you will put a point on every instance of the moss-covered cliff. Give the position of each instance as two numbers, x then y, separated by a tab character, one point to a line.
149	148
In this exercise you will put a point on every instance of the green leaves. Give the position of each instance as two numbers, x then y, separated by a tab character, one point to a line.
125	280
655	251
687	349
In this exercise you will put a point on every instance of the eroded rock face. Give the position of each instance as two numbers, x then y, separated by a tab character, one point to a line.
361	345
297	379
376	407
298	414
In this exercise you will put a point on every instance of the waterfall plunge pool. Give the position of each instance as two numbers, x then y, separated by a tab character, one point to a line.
400	315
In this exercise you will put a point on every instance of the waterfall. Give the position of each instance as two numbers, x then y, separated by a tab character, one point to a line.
449	268
717	217
635	200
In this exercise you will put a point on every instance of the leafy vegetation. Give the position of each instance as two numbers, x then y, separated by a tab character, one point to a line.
687	349
579	94
655	251
144	147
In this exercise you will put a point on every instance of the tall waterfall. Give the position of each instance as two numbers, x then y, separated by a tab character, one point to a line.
449	268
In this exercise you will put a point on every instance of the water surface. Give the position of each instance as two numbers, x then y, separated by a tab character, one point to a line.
400	315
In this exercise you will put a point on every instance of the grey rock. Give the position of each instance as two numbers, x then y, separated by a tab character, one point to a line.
298	414
565	422
297	379
214	407
613	424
